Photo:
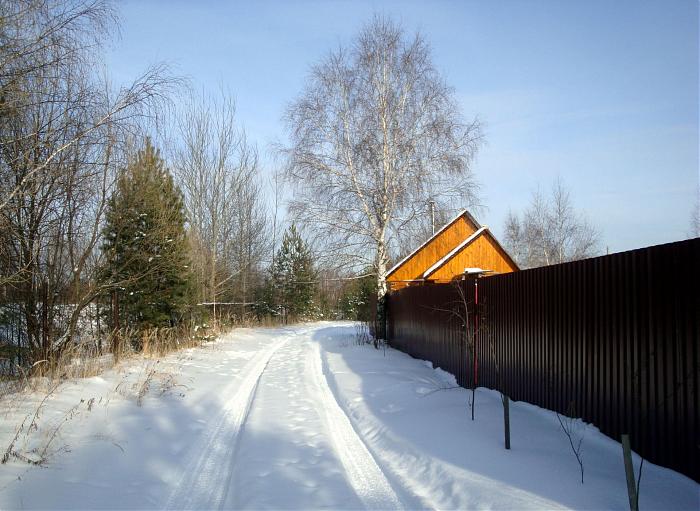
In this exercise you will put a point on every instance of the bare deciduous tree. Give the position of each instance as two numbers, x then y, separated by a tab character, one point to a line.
575	431
218	171
250	243
421	229
550	231
375	133
695	217
62	135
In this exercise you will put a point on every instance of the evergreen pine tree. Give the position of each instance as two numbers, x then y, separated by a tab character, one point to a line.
145	243
293	275
356	300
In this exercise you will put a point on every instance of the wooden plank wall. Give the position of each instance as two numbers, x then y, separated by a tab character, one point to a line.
438	248
482	253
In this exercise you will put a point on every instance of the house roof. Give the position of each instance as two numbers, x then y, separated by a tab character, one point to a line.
453	252
463	213
482	231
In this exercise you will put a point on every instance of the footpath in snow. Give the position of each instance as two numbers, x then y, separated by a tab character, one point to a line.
303	418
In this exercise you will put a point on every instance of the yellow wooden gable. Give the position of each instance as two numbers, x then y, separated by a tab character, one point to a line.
462	243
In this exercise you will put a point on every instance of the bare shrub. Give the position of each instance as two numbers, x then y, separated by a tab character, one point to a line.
363	335
575	430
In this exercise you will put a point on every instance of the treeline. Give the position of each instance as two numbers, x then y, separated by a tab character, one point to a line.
101	231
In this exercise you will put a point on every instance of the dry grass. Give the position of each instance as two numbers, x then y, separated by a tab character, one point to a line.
38	454
363	334
34	441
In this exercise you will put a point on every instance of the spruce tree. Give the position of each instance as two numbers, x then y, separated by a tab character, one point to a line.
145	243
293	275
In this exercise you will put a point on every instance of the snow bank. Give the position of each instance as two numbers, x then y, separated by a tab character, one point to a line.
284	418
419	426
121	439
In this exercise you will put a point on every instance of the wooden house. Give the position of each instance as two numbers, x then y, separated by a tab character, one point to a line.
460	245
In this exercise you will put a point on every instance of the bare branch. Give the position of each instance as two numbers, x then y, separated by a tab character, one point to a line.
375	133
550	231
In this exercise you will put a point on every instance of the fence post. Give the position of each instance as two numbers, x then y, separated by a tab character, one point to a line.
475	343
589	323
629	472
506	419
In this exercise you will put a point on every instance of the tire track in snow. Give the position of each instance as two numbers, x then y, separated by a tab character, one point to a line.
414	471
365	476
205	483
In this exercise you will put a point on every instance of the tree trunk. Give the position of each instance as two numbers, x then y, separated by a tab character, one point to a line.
45	337
115	324
212	283
380	322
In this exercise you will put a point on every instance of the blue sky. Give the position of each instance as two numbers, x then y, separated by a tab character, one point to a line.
602	93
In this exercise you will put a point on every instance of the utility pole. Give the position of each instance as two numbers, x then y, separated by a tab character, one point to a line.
432	213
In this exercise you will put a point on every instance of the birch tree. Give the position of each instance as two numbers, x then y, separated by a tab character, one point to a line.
421	229
375	134
550	231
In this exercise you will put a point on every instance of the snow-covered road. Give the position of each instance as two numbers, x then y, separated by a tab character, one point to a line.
282	441
303	418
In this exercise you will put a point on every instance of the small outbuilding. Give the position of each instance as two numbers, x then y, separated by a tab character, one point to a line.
459	245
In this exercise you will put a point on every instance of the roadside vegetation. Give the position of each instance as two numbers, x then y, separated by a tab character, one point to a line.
133	219
138	220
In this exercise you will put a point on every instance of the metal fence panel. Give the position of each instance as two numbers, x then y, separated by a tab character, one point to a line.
614	338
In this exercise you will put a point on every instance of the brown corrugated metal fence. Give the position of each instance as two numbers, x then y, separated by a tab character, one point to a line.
617	337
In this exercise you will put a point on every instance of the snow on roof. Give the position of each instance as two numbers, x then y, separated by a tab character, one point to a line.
437	233
473	271
452	252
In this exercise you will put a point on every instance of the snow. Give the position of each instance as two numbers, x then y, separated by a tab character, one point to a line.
303	418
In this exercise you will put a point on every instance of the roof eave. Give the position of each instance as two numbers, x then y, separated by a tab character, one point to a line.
452	253
463	213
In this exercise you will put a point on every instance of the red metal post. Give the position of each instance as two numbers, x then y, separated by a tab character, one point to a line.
476	331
